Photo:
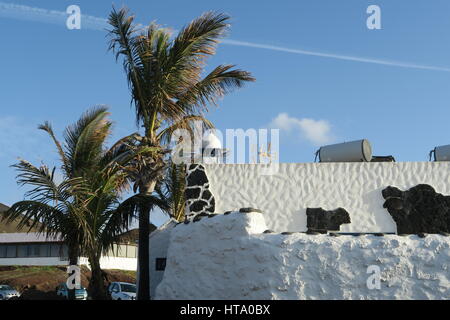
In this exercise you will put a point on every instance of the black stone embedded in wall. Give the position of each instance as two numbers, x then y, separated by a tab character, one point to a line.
199	198
319	219
419	210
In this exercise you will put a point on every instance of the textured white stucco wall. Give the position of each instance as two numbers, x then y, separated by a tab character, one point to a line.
159	243
227	257
356	187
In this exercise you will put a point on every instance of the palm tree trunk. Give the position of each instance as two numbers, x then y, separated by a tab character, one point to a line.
96	284
144	254
73	261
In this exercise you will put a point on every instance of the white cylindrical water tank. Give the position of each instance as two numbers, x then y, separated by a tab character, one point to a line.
354	151
442	153
211	148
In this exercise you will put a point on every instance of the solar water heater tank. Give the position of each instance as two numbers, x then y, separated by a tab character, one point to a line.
353	151
442	153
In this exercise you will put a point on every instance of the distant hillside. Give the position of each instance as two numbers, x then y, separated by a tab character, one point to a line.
13	226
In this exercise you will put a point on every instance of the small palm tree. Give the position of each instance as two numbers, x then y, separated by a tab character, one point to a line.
84	208
171	190
52	208
168	92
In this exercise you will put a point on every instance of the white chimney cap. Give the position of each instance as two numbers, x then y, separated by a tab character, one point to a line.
211	141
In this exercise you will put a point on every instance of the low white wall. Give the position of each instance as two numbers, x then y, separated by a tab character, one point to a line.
227	257
105	262
356	187
33	262
118	263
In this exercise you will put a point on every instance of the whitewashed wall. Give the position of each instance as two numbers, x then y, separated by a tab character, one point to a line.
118	263
227	257
159	243
44	261
356	187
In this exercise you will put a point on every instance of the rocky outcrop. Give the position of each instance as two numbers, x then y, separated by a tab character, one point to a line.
419	210
322	220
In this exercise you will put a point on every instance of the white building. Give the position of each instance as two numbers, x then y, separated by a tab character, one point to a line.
33	249
248	255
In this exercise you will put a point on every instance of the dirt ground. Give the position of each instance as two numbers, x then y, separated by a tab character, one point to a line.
39	283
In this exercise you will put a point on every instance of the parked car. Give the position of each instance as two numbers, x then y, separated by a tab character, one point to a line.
8	292
122	291
63	291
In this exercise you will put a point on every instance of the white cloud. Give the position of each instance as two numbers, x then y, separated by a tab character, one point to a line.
317	132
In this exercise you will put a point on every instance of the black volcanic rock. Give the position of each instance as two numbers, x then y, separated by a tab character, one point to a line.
197	178
193	193
323	220
198	206
419	210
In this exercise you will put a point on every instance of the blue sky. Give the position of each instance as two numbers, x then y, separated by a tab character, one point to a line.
48	72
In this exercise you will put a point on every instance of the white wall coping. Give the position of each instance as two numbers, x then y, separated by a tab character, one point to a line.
27	237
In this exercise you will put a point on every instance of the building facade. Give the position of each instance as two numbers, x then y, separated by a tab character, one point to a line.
33	249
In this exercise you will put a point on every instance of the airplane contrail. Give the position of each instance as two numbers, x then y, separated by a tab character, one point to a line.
22	12
334	56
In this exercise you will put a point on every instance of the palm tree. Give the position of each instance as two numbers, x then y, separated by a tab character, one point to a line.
52	208
84	208
171	190
168	92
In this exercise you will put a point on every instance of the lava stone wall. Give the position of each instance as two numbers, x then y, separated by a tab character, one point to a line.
199	198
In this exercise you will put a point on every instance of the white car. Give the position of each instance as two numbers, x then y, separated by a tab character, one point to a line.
7	292
80	294
122	291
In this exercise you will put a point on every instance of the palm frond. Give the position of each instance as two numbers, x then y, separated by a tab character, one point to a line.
47	127
84	139
186	123
219	82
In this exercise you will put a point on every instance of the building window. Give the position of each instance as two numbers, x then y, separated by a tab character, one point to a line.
44	250
2	251
33	250
160	264
55	250
11	251
22	251
64	253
